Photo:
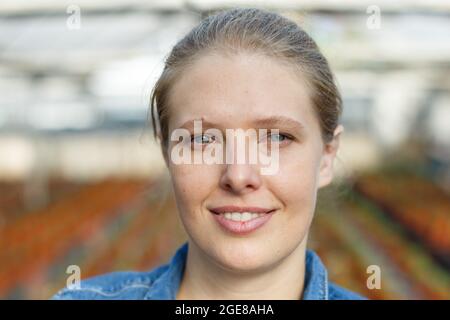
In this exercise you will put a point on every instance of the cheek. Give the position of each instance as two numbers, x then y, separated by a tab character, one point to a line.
296	188
192	185
296	182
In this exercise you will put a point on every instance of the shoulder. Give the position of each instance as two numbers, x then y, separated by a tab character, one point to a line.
317	284
114	285
336	292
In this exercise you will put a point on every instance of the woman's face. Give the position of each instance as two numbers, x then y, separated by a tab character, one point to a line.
235	92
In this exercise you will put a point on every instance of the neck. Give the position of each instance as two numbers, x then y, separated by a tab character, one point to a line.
203	279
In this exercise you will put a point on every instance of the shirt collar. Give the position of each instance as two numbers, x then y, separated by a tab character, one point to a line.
316	278
168	284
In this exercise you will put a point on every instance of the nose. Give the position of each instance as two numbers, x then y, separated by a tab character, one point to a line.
240	178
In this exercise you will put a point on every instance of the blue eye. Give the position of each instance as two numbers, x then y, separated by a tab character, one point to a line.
279	137
202	139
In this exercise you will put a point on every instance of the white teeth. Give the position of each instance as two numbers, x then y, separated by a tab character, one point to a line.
245	216
236	216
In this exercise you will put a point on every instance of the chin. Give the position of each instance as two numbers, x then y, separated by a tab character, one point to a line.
243	258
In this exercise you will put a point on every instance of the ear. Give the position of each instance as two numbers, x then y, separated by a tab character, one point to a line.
329	154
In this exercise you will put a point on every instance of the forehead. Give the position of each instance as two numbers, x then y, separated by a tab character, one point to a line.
236	89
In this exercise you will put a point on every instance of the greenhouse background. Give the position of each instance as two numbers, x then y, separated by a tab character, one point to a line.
82	181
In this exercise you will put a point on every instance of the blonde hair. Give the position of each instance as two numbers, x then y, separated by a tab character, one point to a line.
256	31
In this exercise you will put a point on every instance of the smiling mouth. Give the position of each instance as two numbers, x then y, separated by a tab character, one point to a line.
241	220
245	216
241	214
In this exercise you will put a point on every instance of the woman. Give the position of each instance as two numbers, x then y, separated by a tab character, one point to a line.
246	69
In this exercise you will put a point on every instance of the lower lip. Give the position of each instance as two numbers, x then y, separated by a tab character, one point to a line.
242	227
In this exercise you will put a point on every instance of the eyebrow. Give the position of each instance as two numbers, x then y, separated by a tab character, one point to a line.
273	122
278	122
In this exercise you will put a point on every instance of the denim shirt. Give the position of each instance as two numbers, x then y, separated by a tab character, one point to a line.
163	282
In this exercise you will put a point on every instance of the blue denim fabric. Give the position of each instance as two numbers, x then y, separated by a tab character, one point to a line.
162	283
